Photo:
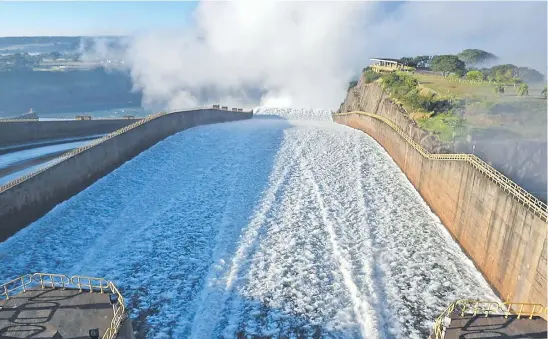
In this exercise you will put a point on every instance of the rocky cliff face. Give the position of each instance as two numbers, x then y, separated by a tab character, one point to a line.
523	161
371	98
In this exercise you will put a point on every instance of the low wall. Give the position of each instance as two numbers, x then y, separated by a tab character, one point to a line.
21	131
500	226
30	197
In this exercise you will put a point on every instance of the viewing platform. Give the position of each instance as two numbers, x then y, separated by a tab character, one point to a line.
43	305
491	319
384	65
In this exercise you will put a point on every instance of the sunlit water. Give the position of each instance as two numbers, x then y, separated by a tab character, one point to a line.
272	227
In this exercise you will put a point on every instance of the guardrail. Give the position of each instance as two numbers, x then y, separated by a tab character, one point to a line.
525	198
474	307
82	283
67	119
18	120
79	150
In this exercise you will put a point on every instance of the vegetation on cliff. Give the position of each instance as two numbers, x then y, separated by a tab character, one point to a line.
451	98
433	111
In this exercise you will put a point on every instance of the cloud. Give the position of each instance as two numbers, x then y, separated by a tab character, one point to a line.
296	53
303	54
514	31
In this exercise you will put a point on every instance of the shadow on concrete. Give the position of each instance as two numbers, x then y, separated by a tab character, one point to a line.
40	313
494	326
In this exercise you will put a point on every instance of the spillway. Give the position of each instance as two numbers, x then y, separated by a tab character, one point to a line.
284	225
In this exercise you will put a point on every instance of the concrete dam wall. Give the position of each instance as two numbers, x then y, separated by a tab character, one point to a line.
523	161
500	226
30	197
15	132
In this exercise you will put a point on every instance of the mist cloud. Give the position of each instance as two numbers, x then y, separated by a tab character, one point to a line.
303	54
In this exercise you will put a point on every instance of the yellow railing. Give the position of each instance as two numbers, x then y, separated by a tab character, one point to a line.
82	283
15	286
527	199
76	151
486	308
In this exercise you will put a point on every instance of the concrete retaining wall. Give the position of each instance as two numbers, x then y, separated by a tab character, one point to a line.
506	241
16	132
23	202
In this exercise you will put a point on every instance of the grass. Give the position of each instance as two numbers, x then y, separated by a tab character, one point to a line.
446	125
483	110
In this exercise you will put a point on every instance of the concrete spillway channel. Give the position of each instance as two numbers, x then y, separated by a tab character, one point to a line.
283	225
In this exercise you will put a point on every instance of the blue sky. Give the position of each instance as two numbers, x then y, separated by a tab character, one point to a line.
42	18
90	18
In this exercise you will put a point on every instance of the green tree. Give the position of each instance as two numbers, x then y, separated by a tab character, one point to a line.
370	76
447	64
515	81
499	89
523	89
504	73
476	56
422	61
474	75
408	61
544	92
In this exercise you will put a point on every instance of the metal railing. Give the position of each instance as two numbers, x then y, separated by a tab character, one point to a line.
67	119
79	150
486	308
15	286
82	283
525	198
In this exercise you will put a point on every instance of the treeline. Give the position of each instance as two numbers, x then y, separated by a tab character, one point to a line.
472	60
22	61
405	88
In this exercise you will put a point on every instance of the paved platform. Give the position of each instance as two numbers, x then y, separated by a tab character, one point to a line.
495	326
40	313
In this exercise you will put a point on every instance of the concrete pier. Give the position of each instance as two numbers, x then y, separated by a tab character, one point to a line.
57	313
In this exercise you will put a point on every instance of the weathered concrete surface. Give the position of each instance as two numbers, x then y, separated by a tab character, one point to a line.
15	132
41	313
34	197
371	98
505	240
523	161
495	326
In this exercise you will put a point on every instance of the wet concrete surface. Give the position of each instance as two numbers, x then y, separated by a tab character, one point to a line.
41	313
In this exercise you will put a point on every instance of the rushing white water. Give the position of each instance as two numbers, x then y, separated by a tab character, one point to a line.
271	227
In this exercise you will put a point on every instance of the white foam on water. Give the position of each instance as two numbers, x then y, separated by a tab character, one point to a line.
295	113
268	227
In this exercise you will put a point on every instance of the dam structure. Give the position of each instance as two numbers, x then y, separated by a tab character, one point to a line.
286	224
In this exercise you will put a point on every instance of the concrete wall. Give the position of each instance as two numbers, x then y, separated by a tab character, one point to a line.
15	132
506	241
523	161
38	194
